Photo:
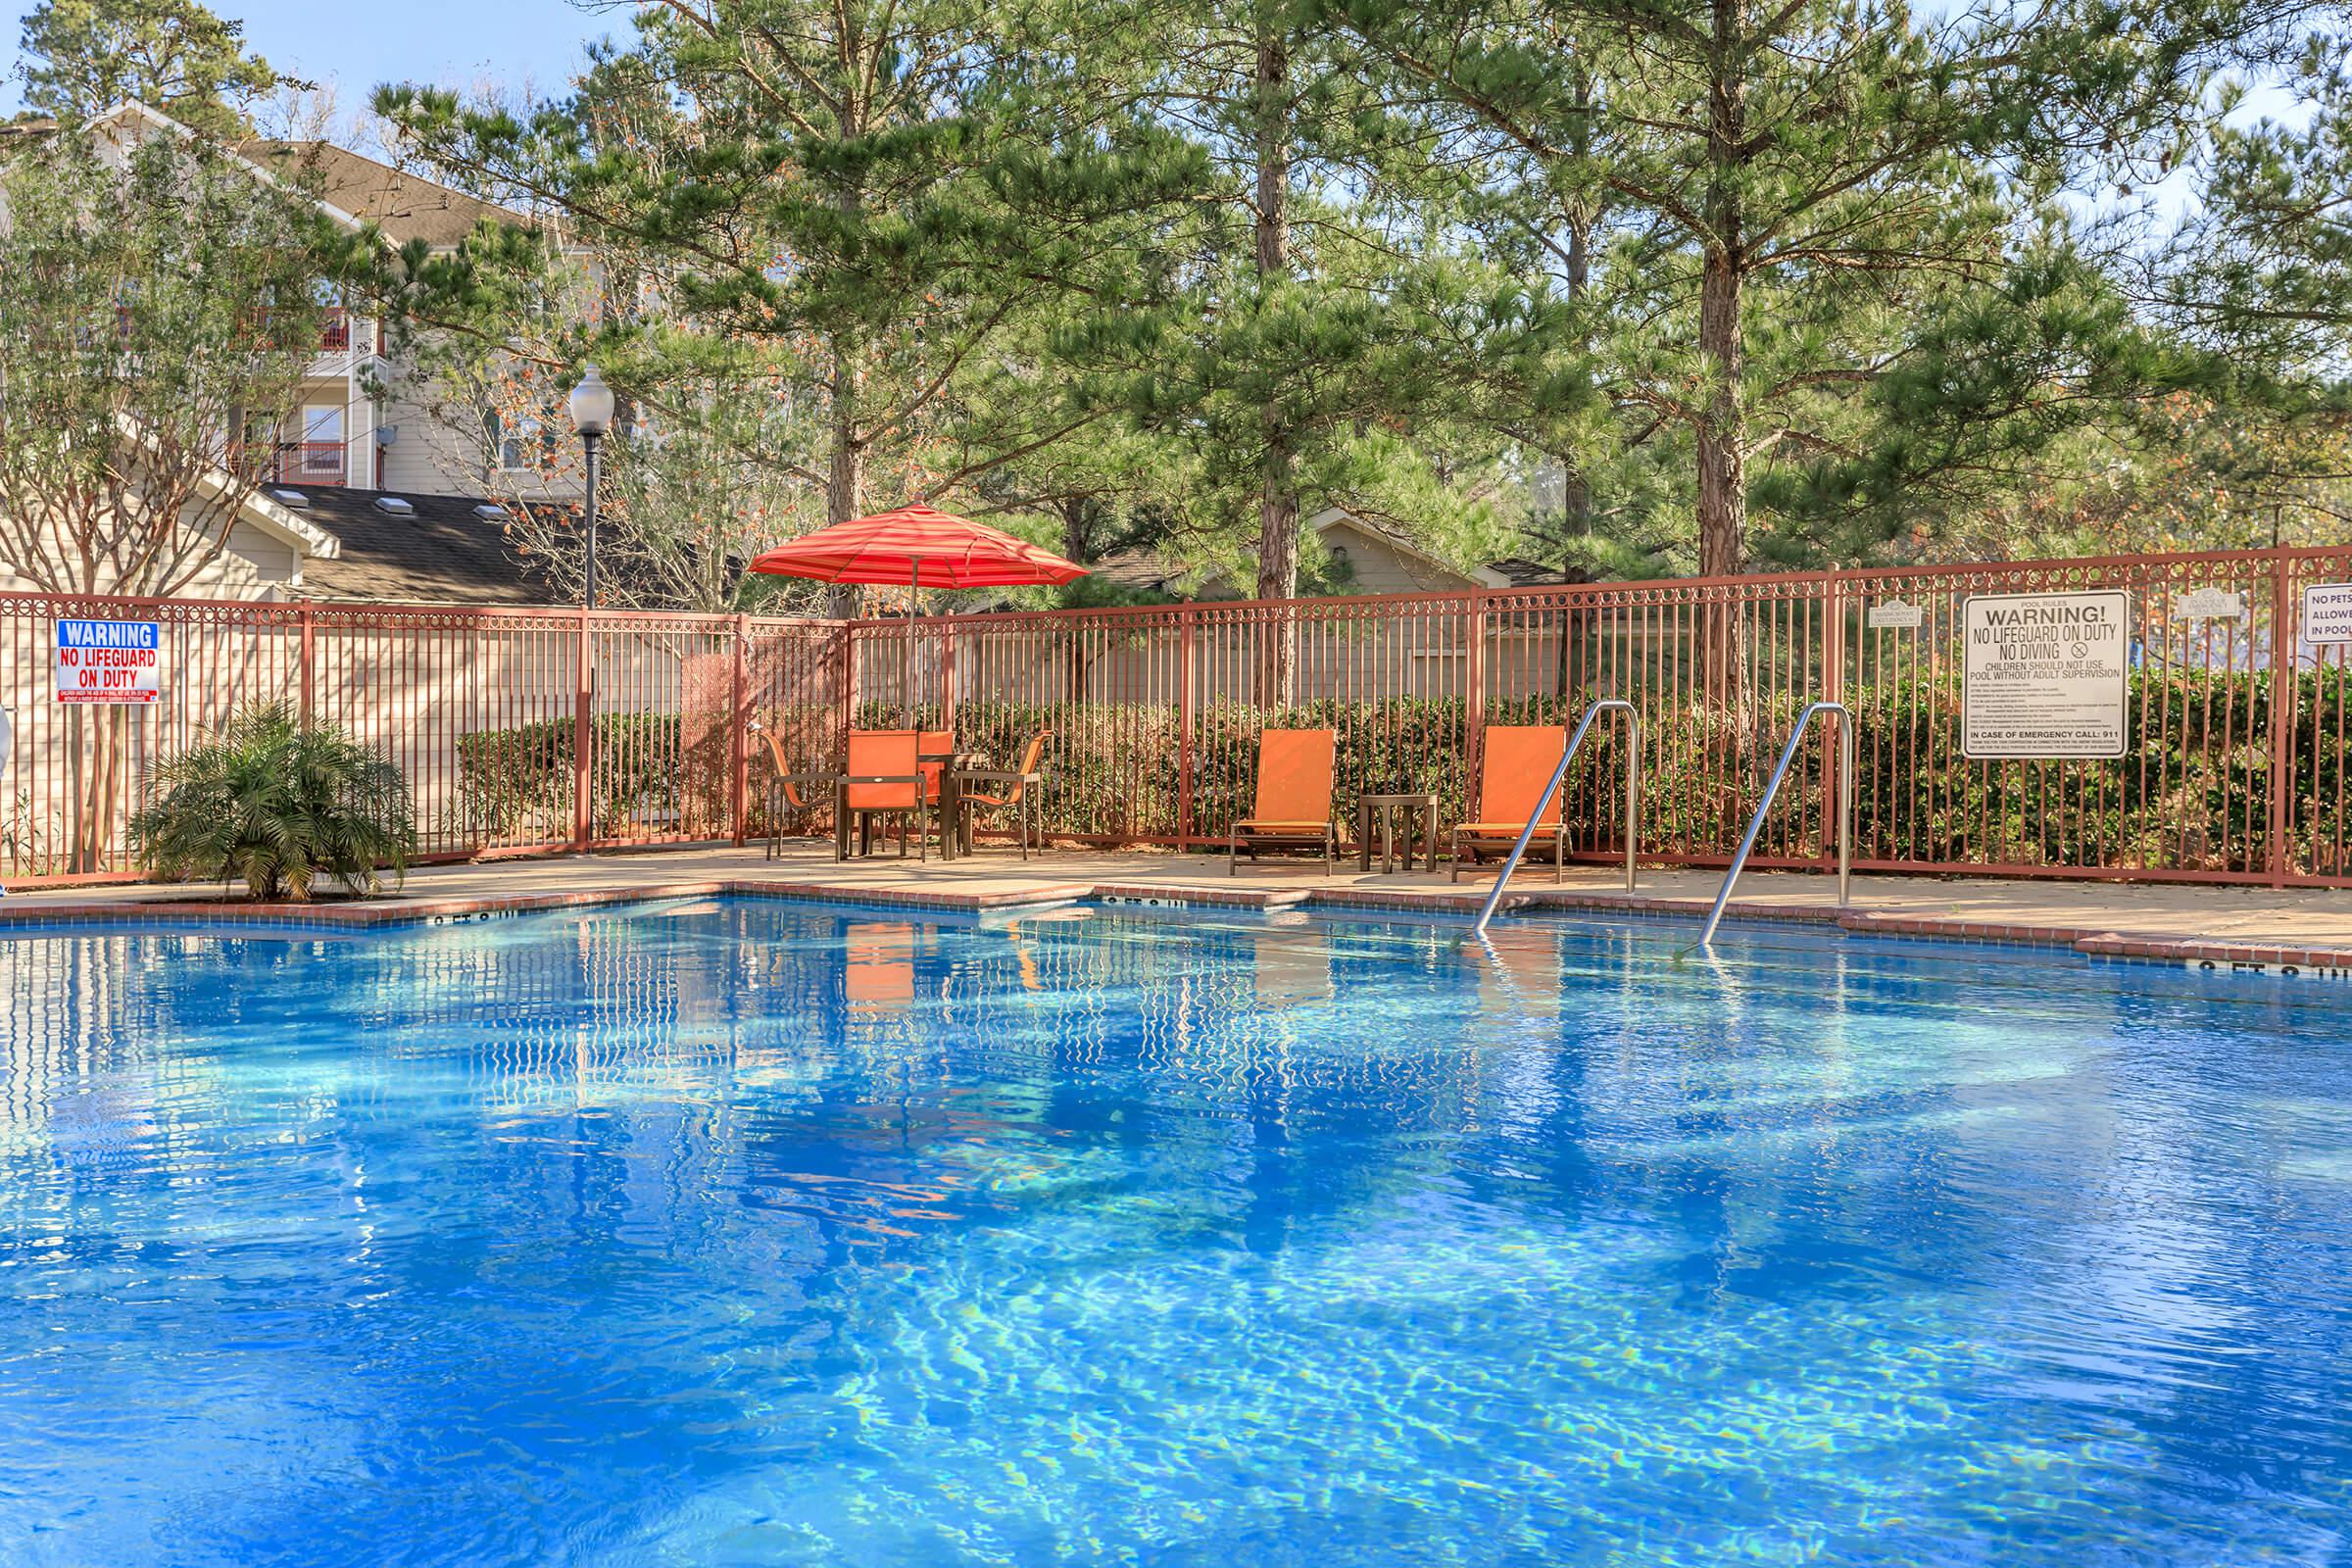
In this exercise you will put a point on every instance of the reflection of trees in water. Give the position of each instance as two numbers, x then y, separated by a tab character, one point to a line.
524	1016
1216	1013
1234	1061
91	1068
876	1077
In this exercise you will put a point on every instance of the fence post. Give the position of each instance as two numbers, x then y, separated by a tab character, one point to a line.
740	735
583	732
1832	689
848	685
307	666
1474	711
2285	638
1185	715
947	673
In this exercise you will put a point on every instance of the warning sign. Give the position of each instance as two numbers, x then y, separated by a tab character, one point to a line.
2045	675
2327	614
109	662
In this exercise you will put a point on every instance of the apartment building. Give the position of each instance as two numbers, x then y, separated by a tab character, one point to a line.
364	419
377	479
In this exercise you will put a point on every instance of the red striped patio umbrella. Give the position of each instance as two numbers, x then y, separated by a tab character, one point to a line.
917	548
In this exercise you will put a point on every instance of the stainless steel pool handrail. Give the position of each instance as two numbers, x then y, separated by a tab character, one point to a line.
1633	801
1756	825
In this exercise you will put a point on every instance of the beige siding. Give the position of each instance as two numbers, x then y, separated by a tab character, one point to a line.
1380	568
439	453
254	566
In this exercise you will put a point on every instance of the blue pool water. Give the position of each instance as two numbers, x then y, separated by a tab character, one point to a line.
744	1233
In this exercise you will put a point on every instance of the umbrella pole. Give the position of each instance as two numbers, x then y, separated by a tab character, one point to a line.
914	592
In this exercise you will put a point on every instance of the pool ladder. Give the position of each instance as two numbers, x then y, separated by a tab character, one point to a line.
1756	825
1632	800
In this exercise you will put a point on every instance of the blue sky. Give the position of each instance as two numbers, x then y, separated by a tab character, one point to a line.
536	44
453	42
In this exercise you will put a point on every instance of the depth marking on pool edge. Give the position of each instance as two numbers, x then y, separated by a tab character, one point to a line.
470	917
2274	971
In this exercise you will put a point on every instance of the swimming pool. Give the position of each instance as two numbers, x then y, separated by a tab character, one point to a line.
742	1232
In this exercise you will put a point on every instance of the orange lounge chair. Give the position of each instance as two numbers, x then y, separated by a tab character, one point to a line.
784	782
1518	763
883	779
1292	810
1021	797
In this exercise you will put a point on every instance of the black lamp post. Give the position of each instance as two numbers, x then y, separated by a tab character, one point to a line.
592	416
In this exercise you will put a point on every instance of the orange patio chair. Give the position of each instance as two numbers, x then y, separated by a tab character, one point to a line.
1020	793
883	779
784	791
1293	809
1517	765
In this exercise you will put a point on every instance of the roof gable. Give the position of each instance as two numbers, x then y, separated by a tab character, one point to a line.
403	206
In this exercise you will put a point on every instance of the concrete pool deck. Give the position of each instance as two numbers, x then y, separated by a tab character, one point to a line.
2301	928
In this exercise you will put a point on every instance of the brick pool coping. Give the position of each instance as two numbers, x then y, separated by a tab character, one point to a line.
400	911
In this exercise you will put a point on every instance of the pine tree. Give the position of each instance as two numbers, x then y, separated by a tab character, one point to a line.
1790	201
2264	271
1328	325
174	56
877	192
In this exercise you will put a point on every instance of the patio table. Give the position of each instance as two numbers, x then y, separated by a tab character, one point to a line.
1388	806
950	805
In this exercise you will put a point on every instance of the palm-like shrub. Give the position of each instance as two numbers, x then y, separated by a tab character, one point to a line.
274	804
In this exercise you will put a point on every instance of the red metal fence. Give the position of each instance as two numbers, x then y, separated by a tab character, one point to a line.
534	729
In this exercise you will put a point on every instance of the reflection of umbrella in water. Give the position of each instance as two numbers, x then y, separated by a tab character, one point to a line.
916	547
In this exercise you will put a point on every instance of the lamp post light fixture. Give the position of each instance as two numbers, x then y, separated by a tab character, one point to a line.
592	416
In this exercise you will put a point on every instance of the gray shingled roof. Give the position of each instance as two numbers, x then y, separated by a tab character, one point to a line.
442	553
1522	572
403	205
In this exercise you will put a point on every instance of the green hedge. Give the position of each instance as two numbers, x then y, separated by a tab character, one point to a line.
2192	796
517	783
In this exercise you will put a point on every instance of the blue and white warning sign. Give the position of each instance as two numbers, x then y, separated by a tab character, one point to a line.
109	662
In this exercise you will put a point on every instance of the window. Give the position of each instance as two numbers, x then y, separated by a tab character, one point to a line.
322	451
508	443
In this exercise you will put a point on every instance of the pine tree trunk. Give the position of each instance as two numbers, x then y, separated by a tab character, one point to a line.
844	487
1722	475
1277	492
1576	492
1722	427
1575	496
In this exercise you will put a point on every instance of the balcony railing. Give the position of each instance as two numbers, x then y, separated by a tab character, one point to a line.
312	462
334	333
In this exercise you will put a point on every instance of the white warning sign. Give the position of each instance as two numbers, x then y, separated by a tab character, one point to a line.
2327	614
2045	675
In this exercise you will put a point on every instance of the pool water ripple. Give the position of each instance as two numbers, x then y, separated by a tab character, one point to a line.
745	1233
